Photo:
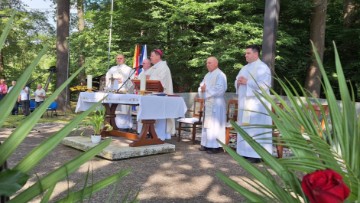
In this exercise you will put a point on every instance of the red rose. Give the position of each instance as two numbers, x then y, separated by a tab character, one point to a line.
324	186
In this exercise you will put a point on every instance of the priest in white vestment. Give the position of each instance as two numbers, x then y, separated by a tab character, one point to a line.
161	71
115	79
253	77
212	89
146	69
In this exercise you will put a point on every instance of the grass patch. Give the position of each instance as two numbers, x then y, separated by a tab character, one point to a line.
13	121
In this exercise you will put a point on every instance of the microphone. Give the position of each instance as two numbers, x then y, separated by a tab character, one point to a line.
131	74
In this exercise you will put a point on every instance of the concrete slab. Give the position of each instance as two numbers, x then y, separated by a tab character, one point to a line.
118	148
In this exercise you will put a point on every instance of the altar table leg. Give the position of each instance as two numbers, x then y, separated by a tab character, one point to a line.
148	135
110	114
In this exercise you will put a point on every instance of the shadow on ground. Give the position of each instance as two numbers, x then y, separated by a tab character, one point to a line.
188	175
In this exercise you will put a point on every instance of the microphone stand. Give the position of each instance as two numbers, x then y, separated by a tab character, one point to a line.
126	80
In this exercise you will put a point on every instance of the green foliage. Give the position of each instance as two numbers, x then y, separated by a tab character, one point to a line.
13	180
96	121
334	148
30	33
190	31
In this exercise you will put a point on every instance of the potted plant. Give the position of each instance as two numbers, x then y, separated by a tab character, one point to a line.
97	123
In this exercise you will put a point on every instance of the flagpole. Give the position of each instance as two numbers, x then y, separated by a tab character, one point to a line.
110	31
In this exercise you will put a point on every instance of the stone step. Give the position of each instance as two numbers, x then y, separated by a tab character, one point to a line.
119	147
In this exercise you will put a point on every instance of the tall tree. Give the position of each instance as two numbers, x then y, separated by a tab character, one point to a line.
271	19
81	27
5	4
62	51
30	31
317	36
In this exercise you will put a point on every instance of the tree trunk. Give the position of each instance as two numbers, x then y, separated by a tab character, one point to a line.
81	26
271	19
62	51
317	36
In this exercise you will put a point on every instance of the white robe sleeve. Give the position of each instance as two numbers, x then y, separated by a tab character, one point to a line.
201	94
236	86
107	78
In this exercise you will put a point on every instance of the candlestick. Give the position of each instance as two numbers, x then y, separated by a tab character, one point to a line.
89	82
142	82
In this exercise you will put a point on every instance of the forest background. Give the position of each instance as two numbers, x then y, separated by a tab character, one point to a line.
187	30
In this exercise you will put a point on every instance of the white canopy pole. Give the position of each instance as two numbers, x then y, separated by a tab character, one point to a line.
110	31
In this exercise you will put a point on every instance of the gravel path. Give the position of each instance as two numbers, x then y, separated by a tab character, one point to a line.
188	175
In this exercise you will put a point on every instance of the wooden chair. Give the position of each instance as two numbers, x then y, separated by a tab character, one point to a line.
276	135
195	121
317	110
231	114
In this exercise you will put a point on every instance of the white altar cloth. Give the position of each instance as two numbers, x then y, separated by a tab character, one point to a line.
150	106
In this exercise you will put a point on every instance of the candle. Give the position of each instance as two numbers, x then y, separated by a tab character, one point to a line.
89	81
142	82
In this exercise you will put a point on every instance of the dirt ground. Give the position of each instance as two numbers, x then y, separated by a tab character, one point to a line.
188	175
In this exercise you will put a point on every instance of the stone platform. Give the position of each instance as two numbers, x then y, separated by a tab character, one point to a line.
118	148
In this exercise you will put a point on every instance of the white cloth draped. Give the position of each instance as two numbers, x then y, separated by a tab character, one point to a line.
161	71
166	107
216	86
121	72
251	110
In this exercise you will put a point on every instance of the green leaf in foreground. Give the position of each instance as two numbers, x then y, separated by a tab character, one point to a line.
59	174
11	181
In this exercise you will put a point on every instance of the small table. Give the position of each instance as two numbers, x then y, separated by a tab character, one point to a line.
151	107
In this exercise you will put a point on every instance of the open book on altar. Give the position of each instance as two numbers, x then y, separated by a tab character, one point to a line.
151	85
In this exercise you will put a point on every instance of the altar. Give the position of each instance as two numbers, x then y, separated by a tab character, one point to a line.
151	107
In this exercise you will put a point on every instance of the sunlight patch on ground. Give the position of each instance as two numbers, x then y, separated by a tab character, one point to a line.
215	193
63	187
157	186
185	167
93	165
206	164
247	183
178	157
